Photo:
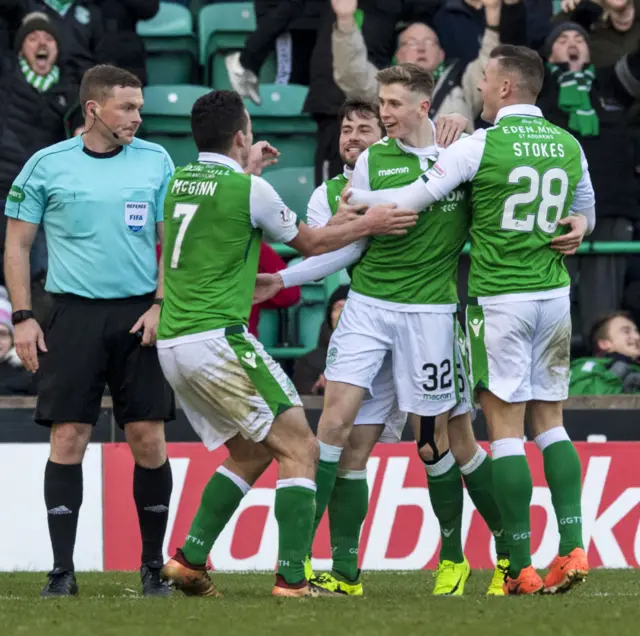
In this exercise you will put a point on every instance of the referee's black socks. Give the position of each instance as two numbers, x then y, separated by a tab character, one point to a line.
63	498
152	493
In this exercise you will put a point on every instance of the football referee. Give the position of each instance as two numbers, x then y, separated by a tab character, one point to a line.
100	199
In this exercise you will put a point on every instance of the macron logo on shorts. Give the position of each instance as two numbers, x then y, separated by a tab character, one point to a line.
476	325
250	358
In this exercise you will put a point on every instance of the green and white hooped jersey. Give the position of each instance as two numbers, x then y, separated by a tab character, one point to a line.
418	271
325	199
526	174
214	215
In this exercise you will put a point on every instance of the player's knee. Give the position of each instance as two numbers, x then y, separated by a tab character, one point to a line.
147	443
69	442
426	453
354	459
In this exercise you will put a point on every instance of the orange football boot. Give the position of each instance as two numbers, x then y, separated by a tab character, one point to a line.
191	580
527	583
566	571
304	589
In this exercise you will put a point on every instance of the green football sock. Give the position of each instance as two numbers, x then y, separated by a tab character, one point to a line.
513	490
294	510
564	477
446	493
325	480
478	477
220	499
347	511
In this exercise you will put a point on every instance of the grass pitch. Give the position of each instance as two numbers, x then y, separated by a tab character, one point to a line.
397	603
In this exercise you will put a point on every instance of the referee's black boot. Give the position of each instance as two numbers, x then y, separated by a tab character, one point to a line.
61	583
152	584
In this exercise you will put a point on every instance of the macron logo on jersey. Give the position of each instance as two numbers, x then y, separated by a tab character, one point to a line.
390	171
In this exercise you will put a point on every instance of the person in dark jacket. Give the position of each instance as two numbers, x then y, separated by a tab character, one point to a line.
80	26
120	45
287	26
35	97
614	367
308	374
377	19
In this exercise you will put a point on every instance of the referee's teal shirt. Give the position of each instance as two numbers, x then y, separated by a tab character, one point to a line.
99	213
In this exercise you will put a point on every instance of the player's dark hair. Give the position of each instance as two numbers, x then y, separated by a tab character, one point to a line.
414	77
523	62
360	107
600	329
98	82
215	118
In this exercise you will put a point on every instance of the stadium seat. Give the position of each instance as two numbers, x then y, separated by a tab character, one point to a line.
299	333
280	121
166	119
172	50
222	29
294	185
269	327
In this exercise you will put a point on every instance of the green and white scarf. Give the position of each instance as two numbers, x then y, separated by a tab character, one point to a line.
39	82
61	7
574	97
438	71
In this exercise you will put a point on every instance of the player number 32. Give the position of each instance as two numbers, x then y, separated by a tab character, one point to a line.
538	187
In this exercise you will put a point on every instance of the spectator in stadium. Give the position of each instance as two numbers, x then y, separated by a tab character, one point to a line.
14	378
614	367
269	263
120	45
594	105
80	27
35	96
456	88
287	26
377	20
461	24
308	374
100	197
613	26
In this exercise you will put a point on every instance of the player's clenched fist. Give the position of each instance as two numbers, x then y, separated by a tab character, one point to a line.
267	286
387	219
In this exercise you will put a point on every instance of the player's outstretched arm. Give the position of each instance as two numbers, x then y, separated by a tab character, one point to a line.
380	219
455	165
308	270
415	196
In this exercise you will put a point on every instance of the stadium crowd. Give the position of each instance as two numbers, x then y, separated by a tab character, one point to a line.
335	47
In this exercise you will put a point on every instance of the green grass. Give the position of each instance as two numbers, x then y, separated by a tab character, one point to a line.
396	603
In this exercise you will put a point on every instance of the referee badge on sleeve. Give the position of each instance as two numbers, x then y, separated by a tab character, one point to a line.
135	215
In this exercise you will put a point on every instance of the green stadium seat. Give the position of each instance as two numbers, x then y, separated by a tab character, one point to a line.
269	327
305	319
282	123
166	119
222	29
172	50
294	185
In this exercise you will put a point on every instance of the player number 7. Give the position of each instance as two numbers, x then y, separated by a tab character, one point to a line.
187	212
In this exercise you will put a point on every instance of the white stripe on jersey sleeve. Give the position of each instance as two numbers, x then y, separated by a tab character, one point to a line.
269	213
318	211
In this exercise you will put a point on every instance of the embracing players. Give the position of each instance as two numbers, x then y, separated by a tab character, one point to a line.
529	180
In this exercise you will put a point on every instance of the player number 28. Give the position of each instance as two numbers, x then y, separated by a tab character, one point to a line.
538	187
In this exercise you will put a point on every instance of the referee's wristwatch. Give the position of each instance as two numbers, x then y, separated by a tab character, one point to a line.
20	316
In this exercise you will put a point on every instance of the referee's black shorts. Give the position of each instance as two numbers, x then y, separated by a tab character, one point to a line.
89	345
